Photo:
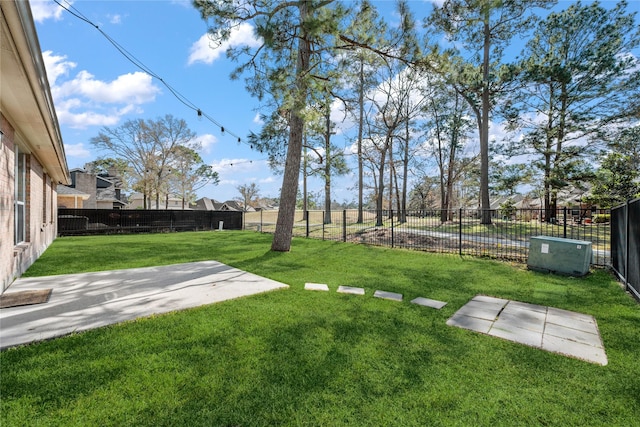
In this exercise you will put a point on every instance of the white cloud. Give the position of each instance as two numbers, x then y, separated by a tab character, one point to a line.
84	101
76	150
204	50
134	88
114	19
84	119
56	66
46	9
258	119
207	141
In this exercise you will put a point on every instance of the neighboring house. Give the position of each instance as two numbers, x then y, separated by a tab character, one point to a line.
265	207
207	204
232	205
71	198
136	201
516	200
32	158
104	189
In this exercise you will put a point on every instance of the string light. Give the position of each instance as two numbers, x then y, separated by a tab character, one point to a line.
135	61
243	162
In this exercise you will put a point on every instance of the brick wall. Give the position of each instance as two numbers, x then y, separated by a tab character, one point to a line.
7	160
40	210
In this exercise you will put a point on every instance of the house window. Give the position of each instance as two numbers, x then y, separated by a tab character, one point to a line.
20	196
44	198
51	199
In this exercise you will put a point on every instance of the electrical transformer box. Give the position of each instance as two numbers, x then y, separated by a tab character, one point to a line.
558	255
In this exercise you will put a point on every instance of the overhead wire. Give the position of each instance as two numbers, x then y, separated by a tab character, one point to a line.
139	64
232	163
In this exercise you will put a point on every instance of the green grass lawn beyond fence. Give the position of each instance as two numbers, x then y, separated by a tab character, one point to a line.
296	357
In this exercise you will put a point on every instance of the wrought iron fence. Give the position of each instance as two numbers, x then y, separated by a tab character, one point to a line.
455	231
111	221
625	245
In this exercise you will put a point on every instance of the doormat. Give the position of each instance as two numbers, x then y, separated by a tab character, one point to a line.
15	299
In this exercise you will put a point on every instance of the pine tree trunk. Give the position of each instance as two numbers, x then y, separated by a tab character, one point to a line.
360	126
327	169
286	215
485	204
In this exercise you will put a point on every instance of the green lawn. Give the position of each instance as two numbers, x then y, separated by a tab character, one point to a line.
296	357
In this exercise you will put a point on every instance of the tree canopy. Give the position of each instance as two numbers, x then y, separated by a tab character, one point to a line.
407	102
156	153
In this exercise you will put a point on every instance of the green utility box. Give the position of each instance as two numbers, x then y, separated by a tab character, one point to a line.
558	255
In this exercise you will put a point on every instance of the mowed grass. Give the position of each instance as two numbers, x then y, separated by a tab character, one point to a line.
296	357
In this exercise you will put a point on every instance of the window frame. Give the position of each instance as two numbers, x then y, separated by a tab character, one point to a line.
20	197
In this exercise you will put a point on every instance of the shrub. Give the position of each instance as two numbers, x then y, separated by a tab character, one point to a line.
601	218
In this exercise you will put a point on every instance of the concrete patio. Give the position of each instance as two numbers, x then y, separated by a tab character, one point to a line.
85	301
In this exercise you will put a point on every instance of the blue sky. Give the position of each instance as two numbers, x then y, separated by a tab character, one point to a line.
94	85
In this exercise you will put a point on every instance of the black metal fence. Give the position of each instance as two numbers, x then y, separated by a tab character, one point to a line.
456	231
108	221
625	245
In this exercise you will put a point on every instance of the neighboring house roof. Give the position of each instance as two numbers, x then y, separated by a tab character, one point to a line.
231	205
63	190
103	182
208	204
266	207
516	199
24	90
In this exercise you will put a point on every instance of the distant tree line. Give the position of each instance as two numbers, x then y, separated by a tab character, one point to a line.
156	158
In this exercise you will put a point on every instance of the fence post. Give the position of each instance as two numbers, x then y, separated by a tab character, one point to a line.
460	232
324	217
261	224
392	237
306	214
564	217
627	285
344	225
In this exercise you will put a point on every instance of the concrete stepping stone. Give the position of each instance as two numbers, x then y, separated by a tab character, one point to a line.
426	302
486	311
510	332
559	331
574	349
472	323
350	290
388	295
316	287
